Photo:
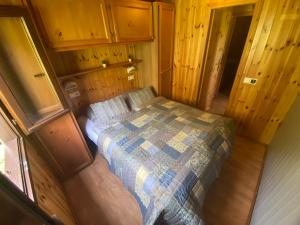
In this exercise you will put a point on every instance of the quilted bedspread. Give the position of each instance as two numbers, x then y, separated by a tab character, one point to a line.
167	155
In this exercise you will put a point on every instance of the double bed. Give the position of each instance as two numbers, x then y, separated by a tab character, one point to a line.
166	153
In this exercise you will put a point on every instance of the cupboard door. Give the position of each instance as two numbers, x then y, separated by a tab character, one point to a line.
131	20
166	20
25	85
65	144
70	24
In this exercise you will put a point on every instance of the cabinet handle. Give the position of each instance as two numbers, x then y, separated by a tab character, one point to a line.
39	75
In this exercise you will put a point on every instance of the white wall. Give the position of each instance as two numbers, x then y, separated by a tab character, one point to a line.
278	201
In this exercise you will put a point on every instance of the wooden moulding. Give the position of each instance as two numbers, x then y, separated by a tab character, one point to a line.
100	68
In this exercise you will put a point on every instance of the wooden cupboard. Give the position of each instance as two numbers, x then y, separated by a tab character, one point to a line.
131	20
166	26
29	90
66	24
69	25
65	145
28	87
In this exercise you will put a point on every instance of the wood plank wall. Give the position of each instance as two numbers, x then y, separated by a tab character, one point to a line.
271	55
96	86
48	190
191	29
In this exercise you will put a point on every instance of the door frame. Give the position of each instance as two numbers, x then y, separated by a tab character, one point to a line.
217	4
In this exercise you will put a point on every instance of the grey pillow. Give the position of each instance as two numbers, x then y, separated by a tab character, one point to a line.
108	111
138	99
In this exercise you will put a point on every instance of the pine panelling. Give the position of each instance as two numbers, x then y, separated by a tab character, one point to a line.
74	61
271	54
49	193
191	33
96	86
191	28
272	59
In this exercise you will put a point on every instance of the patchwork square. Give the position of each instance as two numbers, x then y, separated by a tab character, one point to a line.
134	145
141	121
140	179
130	127
177	145
182	192
167	177
171	151
207	117
169	104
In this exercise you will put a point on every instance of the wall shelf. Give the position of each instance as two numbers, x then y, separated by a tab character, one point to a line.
100	68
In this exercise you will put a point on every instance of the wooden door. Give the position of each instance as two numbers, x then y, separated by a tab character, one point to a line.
70	24
65	145
131	20
166	21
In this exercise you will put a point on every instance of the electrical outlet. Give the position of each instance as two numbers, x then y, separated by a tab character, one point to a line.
130	77
249	80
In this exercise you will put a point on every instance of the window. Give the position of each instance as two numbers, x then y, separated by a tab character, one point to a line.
13	163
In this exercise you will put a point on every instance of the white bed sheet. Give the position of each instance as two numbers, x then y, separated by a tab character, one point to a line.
88	127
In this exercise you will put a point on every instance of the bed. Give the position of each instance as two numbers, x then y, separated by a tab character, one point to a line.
167	154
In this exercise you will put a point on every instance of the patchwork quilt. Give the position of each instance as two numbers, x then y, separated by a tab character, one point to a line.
167	155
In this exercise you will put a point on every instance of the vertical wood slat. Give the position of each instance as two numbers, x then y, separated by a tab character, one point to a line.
191	28
96	86
49	192
271	54
274	64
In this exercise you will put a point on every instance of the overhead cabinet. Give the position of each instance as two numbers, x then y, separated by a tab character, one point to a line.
131	20
68	25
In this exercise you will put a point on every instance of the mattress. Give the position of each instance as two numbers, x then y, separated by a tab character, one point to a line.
167	155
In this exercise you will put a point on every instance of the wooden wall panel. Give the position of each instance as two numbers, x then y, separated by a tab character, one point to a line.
271	55
96	86
49	192
149	52
191	29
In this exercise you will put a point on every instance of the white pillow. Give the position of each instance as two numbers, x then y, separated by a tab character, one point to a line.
139	98
108	111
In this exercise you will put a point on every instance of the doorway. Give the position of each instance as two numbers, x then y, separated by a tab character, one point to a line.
228	34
